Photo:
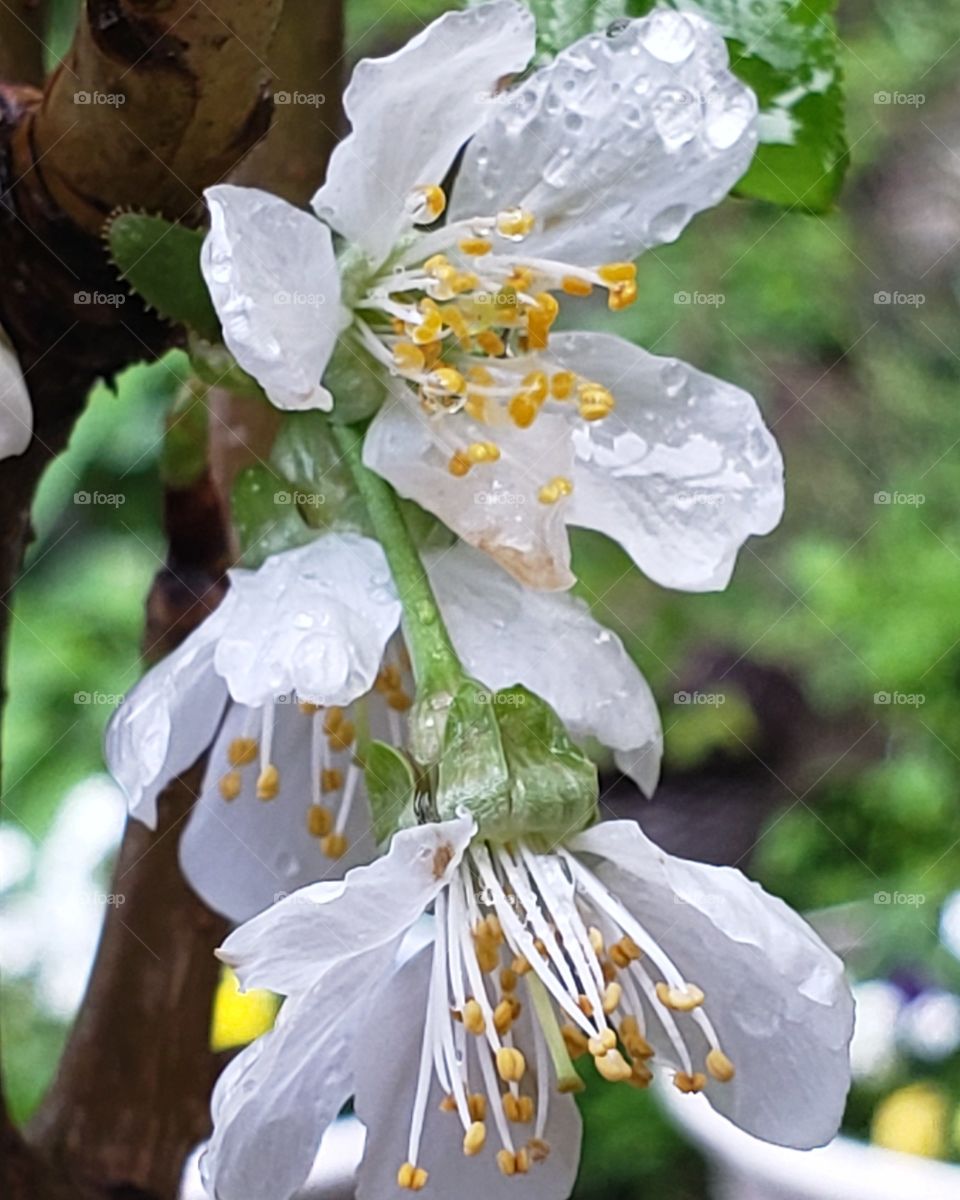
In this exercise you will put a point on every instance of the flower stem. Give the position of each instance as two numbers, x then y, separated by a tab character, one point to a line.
436	667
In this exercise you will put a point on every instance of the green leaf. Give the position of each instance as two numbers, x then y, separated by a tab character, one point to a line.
355	379
184	456
472	772
560	22
264	515
788	52
390	788
553	784
161	262
314	473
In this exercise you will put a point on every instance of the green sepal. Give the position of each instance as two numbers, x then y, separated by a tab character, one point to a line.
160	261
213	363
391	787
553	784
472	772
356	379
264	516
312	468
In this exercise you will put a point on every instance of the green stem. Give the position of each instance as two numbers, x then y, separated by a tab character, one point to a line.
436	667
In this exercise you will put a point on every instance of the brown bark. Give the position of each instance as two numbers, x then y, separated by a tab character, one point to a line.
21	40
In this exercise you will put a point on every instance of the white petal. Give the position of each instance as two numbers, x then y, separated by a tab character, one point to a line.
681	473
314	620
287	947
616	144
273	1102
386	1074
549	642
776	995
167	719
495	507
273	280
16	411
243	855
411	112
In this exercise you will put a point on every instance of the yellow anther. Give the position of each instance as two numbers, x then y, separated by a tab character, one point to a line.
520	279
268	783
507	1162
448	1104
511	1064
473	1020
535	386
429	329
515	1006
493	928
612	995
596	940
483	452
477	1106
475	247
523	410
681	999
596	402
605	1040
388	678
490	343
515	223
437	264
523	1161
478	374
446	379
618	272
426	202
561	384
411	1178
242	751
334	845
319	820
331	780
555	490
503	1017
583	1003
624	952
508	979
540	316
613	1067
476	407
230	785
719	1066
574	1040
573	285
518	1109
308	708
636	1044
689	1083
488	955
333	719
458	464
409	358
398	700
342	737
640	1075
474	1139
454	320
519	965
621	296
538	1149
464	281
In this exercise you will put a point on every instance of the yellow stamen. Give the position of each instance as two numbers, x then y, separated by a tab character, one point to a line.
411	1178
409	358
478	374
518	1109
474	1139
342	737
621	296
596	402
475	247
427	202
473	1020
268	783
448	1104
683	999
503	1017
515	223
331	780
538	1149
605	1040
477	1106
618	272
511	1064
555	490
574	1040
399	701
519	965
334	845
508	979
458	464
230	785
540	316
535	386
333	719
242	751
483	452
507	1162
523	410
719	1066
596	940
573	285
689	1083
611	997
561	384
446	379
624	952
640	1075
319	820
613	1067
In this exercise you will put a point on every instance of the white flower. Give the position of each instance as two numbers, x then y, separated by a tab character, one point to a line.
300	662
16	412
506	432
459	1059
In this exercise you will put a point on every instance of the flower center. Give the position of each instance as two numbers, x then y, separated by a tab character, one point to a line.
460	314
535	964
329	738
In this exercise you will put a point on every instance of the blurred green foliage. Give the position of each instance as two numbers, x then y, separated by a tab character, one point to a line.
856	598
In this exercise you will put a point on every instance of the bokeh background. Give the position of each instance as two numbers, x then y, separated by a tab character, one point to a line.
811	711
